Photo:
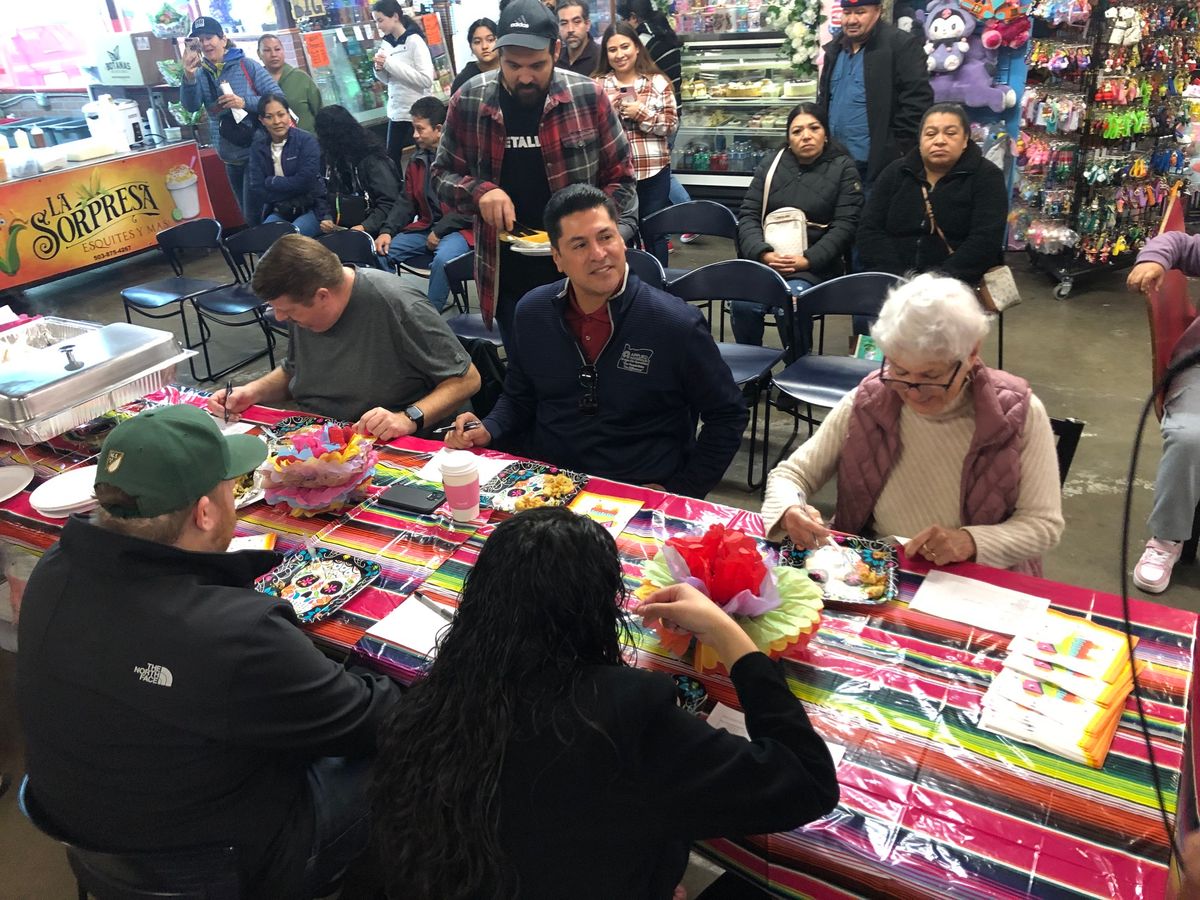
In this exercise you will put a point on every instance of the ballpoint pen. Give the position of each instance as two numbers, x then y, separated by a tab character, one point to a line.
470	426
228	397
435	607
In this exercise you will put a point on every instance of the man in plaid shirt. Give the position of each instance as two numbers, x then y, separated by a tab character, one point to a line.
516	135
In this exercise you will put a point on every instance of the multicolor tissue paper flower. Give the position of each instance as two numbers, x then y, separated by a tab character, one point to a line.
778	607
319	469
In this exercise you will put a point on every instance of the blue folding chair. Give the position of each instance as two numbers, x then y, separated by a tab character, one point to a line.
460	271
646	267
236	305
699	217
819	380
744	279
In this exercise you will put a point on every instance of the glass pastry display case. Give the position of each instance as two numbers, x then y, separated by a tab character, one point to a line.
737	90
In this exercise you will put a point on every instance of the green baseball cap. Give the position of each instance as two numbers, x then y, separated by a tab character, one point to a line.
168	458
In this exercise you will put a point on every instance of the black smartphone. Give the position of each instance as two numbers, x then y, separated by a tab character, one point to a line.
412	498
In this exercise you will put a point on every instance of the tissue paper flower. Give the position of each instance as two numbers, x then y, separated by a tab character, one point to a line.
319	469
727	567
779	608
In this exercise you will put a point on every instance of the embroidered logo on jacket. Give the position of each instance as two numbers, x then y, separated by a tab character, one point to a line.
152	673
634	360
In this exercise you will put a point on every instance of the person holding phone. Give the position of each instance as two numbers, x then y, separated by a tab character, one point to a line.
218	78
642	96
403	63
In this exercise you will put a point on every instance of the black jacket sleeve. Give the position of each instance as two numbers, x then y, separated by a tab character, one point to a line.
982	247
401	214
381	180
876	248
751	243
913	94
695	780
287	695
823	253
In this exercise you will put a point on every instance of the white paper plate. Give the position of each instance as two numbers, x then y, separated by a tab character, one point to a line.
69	511
13	480
61	495
539	250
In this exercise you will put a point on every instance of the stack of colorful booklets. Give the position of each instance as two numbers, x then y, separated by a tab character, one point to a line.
1062	688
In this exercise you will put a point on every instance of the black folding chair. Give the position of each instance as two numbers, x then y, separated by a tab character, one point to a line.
744	279
819	380
237	306
201	873
166	298
1067	433
354	248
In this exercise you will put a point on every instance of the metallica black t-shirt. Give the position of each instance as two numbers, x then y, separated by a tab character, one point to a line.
523	178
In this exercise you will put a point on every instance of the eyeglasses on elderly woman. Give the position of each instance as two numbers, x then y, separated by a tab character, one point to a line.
923	388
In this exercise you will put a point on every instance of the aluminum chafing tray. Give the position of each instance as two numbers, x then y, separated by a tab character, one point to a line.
56	374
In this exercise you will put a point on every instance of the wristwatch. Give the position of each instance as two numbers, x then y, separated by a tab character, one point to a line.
414	413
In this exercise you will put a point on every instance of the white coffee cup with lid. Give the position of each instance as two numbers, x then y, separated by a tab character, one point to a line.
460	478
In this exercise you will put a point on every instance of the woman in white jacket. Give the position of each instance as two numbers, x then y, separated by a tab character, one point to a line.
404	64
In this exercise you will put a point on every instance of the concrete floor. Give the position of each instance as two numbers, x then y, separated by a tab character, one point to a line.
1087	357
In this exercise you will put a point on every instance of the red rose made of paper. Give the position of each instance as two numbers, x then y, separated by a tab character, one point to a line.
726	561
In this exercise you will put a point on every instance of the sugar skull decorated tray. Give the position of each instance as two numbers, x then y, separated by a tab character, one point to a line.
529	485
318	582
850	570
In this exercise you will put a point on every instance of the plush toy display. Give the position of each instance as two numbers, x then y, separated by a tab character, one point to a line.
947	28
1012	33
961	67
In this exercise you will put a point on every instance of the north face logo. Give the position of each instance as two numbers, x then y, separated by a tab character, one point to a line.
154	674
520	22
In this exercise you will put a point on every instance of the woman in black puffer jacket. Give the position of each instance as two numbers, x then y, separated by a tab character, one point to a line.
818	177
967	197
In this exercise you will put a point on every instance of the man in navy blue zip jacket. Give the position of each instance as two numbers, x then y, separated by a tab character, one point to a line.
607	375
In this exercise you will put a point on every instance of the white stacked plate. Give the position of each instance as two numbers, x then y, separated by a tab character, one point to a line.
66	494
13	480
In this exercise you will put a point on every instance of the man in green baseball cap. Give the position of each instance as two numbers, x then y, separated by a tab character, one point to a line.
174	464
206	717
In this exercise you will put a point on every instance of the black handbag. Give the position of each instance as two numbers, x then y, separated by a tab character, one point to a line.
293	207
349	208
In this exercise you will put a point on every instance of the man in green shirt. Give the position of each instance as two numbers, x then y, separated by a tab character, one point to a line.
301	91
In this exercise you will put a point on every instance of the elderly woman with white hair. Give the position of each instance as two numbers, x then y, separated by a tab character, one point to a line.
935	445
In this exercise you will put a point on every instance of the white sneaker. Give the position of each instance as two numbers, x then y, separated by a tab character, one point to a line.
1153	571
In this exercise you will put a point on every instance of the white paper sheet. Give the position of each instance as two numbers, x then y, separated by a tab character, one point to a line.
251	542
977	603
411	626
734	722
489	467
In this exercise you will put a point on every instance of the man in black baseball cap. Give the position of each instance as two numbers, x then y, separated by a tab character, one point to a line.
512	139
874	88
205	716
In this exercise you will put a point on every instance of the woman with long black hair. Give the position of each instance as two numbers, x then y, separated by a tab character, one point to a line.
531	761
404	64
361	180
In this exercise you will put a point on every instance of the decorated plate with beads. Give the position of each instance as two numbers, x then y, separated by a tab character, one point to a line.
852	570
522	486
